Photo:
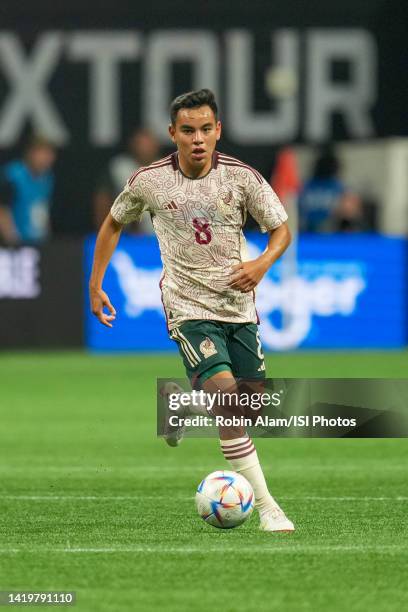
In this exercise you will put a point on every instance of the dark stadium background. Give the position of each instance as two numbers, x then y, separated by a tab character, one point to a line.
69	83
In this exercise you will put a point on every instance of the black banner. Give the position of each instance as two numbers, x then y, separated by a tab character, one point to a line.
41	296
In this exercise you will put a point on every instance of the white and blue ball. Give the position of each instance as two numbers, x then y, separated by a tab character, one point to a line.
225	499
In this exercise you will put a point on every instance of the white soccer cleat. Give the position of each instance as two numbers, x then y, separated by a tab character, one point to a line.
173	434
275	520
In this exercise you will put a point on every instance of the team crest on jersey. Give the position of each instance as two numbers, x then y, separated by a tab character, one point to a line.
207	347
227	198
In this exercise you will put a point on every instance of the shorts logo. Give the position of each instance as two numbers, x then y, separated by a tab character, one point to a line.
207	347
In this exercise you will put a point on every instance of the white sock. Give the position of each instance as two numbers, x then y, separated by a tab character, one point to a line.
242	457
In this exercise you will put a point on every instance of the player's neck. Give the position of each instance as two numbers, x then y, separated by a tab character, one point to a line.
192	171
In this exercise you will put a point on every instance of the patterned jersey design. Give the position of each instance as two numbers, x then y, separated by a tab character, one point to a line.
198	223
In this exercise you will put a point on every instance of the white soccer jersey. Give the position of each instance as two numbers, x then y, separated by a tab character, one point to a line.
198	223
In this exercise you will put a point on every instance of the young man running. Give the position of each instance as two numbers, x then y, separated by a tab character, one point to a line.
198	199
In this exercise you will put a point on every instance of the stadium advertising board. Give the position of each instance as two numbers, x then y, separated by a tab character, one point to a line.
347	292
206	52
40	296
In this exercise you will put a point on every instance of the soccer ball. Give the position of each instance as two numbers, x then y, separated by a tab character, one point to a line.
224	499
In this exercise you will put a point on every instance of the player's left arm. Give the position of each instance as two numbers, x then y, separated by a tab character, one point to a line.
247	275
266	208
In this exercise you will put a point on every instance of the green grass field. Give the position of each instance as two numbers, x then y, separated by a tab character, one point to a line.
92	501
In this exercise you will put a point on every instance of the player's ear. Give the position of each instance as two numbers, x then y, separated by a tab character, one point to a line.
218	128
172	132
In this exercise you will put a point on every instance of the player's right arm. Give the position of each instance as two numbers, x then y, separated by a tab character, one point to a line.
106	243
128	207
8	230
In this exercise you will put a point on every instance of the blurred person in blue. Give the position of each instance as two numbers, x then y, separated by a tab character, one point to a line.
143	148
326	204
26	187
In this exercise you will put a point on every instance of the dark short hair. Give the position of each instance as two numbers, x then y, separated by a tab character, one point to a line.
327	164
193	99
38	141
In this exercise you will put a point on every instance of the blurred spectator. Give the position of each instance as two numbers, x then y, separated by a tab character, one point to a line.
325	203
25	194
349	216
143	149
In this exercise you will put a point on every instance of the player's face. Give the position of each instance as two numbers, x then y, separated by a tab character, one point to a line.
144	147
41	158
196	133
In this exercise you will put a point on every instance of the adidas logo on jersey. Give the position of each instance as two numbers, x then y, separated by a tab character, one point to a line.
171	206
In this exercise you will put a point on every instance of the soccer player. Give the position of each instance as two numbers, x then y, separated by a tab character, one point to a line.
198	199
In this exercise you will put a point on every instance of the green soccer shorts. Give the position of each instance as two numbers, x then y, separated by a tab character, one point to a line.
215	345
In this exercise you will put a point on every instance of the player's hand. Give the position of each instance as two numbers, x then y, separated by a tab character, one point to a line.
247	275
99	300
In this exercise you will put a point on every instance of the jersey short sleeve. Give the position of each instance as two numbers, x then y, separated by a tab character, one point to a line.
263	203
129	205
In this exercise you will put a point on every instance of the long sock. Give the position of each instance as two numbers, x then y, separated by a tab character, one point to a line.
242	457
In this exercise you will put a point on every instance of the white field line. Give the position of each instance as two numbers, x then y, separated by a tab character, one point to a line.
101	469
188	550
322	498
137	469
91	497
142	497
